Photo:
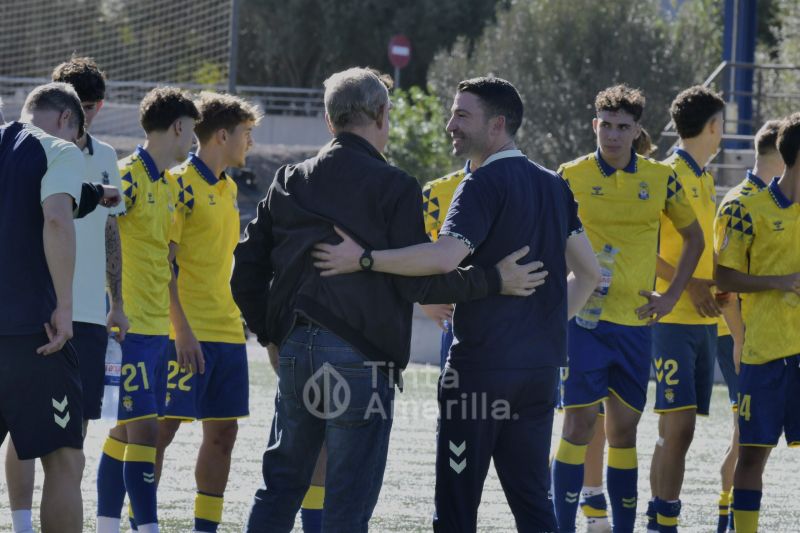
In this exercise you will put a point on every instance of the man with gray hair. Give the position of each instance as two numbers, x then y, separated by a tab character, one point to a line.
40	182
341	343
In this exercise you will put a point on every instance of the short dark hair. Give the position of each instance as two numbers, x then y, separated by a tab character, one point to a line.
57	96
499	98
83	74
222	111
621	98
164	105
766	138
789	139
693	108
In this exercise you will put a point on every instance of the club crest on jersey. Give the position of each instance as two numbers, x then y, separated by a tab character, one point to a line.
669	395
127	403
644	191
105	180
168	399
597	191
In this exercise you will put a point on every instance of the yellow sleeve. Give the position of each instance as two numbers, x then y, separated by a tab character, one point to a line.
129	188
677	207
183	193
737	237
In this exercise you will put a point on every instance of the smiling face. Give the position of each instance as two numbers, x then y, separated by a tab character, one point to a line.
468	125
615	131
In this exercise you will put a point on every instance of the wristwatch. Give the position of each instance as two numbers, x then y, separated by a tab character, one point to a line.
366	260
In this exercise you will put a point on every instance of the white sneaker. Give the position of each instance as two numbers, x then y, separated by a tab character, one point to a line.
595	525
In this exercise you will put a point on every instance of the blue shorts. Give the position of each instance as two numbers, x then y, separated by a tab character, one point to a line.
562	376
611	358
728	369
683	361
221	393
142	377
768	402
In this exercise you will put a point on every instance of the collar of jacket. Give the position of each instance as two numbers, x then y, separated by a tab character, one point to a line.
351	140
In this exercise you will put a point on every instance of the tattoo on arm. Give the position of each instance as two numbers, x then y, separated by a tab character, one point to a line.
113	260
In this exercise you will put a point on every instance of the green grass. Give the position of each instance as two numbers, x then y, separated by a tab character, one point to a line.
406	501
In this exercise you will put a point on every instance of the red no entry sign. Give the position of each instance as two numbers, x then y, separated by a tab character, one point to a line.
399	51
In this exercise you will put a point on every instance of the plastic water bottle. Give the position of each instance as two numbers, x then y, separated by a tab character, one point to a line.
111	390
589	316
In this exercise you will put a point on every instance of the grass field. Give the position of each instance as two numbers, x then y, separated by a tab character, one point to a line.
405	504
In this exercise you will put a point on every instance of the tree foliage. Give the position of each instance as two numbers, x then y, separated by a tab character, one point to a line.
560	54
300	43
418	142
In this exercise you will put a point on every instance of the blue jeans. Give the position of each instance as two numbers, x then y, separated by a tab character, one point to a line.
329	393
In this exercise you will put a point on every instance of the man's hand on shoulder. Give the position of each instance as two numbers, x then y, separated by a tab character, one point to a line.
517	279
335	259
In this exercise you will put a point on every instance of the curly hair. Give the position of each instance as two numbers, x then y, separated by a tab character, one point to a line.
621	98
84	75
164	105
693	108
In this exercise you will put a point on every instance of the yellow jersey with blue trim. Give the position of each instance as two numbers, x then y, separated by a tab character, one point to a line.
437	195
206	230
761	237
702	195
623	208
144	235
750	185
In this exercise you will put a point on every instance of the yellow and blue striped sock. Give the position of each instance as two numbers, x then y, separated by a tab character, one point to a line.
746	505
622	475
110	482
140	482
724	511
207	512
312	509
567	481
667	513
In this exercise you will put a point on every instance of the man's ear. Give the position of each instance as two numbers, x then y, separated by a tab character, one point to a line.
177	127
222	135
595	124
64	118
99	105
498	125
329	124
379	116
714	124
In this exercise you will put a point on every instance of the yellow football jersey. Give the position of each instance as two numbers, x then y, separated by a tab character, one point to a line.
699	187
144	233
750	185
623	208
762	237
436	198
206	229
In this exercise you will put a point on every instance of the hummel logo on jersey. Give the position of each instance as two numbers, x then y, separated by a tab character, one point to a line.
211	200
777	225
571	497
458	451
597	191
149	477
150	198
61	407
694	193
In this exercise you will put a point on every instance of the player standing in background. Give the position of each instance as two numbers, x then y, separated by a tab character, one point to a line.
167	116
97	251
730	340
207	364
759	258
685	341
621	197
40	179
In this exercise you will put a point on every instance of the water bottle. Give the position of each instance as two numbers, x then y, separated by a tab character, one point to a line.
111	390
589	316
